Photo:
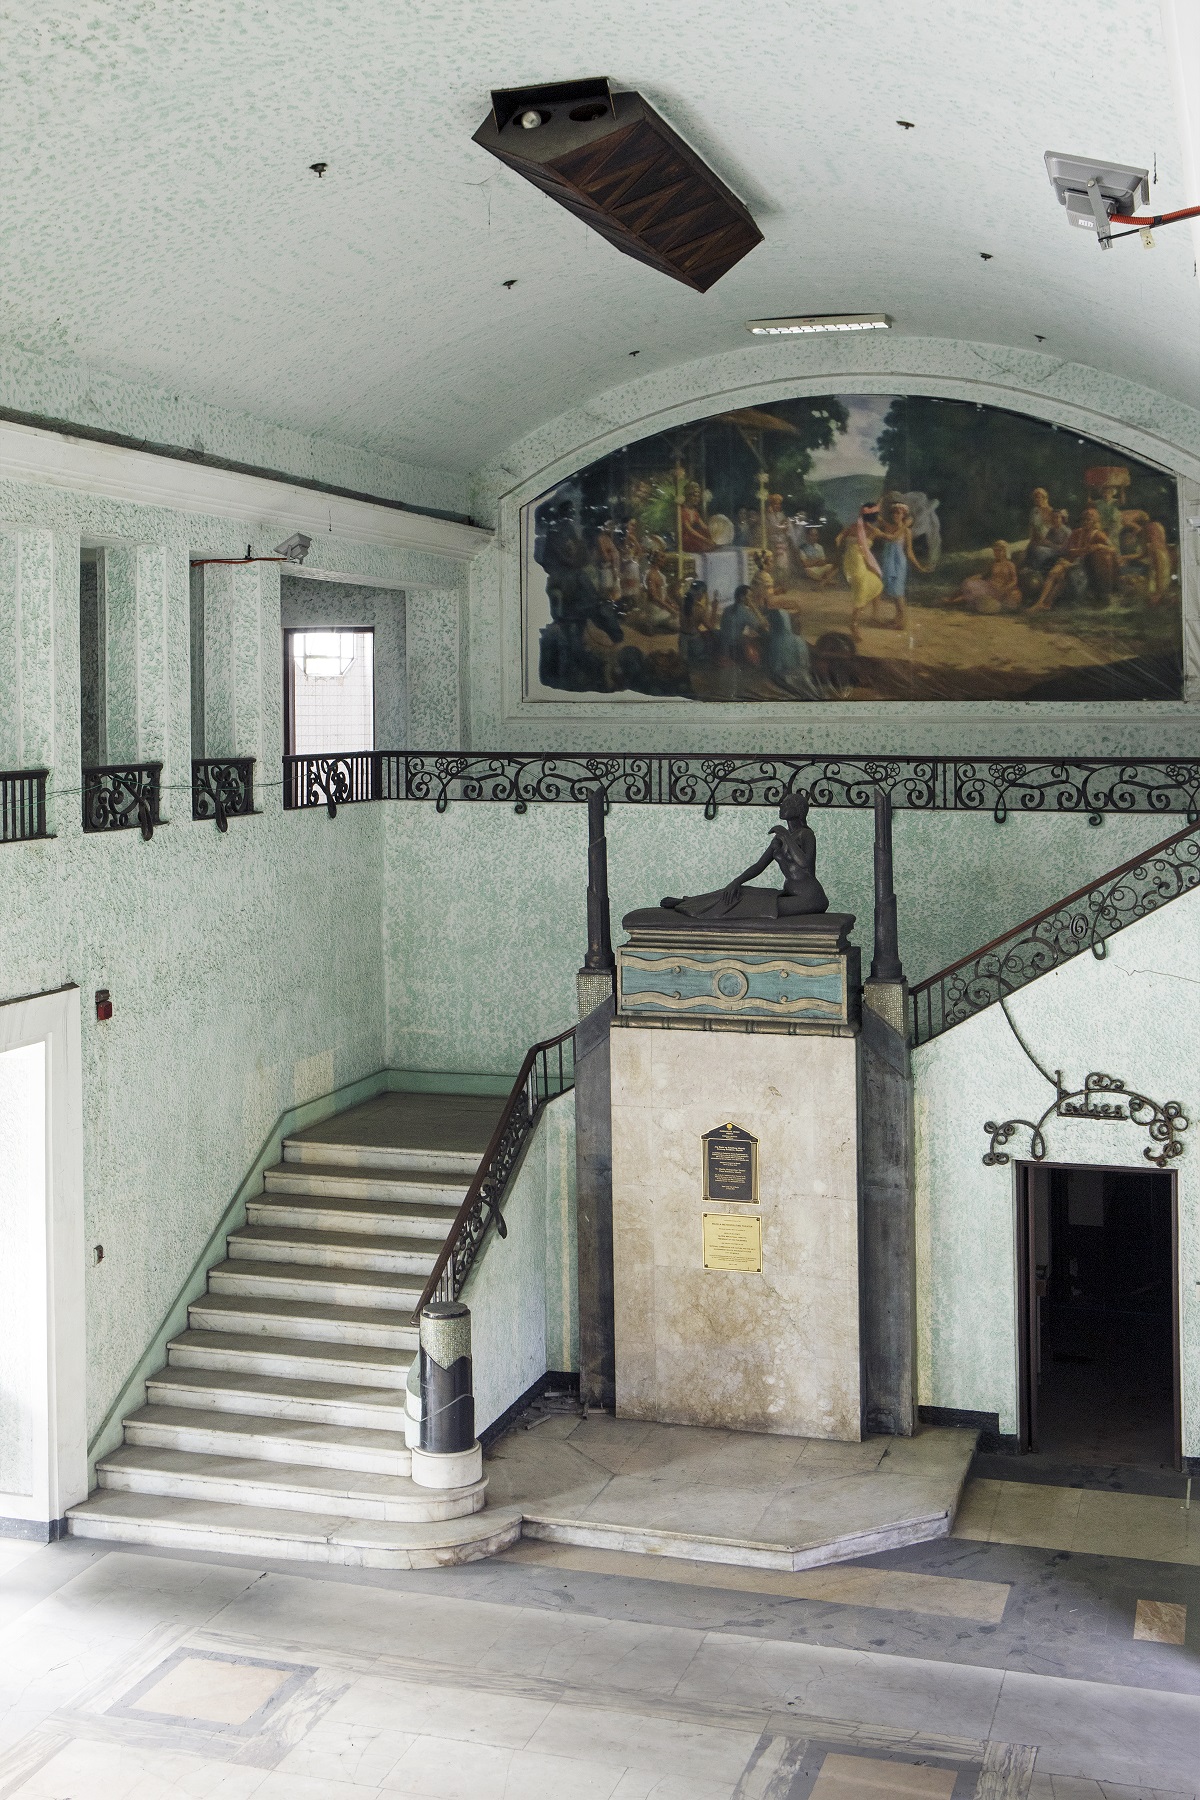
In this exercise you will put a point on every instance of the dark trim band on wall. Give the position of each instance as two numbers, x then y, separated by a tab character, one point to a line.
120	440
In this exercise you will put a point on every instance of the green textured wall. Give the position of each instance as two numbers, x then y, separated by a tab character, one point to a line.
485	920
1131	1015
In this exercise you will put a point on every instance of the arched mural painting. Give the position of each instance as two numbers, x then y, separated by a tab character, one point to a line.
856	547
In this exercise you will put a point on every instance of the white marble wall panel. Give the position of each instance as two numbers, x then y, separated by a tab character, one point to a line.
776	1351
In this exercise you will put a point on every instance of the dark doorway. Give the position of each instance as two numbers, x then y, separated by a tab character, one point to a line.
1099	1339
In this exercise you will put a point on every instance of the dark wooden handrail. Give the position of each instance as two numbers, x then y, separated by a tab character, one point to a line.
480	1208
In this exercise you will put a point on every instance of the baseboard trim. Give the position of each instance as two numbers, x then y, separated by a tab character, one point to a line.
560	1380
987	1424
34	1531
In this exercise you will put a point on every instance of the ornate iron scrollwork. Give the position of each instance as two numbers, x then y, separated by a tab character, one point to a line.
333	781
1103	1099
119	796
999	785
222	789
1081	922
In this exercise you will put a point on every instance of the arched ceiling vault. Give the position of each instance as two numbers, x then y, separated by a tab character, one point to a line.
162	223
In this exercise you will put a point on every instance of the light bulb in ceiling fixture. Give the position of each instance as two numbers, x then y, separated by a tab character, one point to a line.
531	120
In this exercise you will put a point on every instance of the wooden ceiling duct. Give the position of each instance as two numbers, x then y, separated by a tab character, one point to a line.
616	164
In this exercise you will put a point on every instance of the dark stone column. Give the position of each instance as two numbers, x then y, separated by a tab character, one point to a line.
593	1187
888	1251
447	1399
594	983
888	1278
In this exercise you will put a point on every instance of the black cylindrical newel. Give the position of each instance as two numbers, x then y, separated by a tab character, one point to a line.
885	964
599	950
447	1400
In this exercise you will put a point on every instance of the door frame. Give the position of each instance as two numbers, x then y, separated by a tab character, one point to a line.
1025	1258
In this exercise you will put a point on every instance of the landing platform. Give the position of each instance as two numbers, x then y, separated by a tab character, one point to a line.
725	1496
458	1123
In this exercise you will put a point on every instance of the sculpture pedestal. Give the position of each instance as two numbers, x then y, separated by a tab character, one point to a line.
776	1349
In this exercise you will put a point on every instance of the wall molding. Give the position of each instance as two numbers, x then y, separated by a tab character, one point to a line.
115	471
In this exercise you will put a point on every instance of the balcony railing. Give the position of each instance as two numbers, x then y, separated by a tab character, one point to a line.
222	788
337	780
22	805
119	796
1062	786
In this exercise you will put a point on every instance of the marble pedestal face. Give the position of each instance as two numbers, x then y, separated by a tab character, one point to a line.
777	1351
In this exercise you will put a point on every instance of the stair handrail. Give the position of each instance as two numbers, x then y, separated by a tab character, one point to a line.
1112	901
544	1076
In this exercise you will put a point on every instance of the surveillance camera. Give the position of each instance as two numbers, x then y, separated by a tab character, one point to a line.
295	548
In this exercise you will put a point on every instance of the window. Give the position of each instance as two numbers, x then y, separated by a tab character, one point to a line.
329	691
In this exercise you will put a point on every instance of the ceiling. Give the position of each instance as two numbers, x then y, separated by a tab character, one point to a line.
161	222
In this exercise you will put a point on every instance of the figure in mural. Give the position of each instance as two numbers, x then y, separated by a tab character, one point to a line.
996	592
859	567
693	525
875	519
794	847
813	560
779	544
787	657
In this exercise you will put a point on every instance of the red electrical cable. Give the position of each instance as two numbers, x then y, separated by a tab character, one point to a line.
1186	212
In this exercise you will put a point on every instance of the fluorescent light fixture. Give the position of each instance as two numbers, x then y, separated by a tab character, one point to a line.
819	322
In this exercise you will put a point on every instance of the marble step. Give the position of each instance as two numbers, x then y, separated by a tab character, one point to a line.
369	1182
333	1249
278	1397
319	1322
269	1440
275	1533
294	1487
298	1359
297	1281
390	1218
382	1157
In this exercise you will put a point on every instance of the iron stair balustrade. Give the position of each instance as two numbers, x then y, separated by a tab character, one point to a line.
119	796
547	1071
1001	786
222	788
23	805
1081	921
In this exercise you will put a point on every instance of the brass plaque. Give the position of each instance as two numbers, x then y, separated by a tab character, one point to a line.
733	1241
730	1165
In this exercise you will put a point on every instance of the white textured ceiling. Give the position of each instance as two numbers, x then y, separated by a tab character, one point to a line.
160	221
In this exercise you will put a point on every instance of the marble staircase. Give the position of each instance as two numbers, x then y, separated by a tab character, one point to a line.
276	1427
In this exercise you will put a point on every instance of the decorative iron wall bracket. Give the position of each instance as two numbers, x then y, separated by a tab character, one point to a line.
222	789
118	796
1163	1120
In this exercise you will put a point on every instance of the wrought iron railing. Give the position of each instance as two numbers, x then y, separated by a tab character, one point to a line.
118	796
333	781
1082	921
222	788
1089	787
547	1072
22	805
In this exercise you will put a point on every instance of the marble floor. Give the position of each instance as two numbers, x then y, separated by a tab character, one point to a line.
724	1496
953	1668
